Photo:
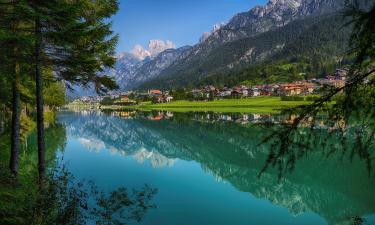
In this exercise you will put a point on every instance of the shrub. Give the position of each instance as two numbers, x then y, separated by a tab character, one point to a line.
292	98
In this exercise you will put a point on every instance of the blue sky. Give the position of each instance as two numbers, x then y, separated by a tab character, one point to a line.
181	21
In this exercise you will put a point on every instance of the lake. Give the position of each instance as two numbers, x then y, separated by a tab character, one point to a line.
206	166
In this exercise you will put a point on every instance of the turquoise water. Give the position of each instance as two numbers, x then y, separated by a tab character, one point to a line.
205	168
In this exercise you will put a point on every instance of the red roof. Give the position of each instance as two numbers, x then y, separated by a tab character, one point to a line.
155	92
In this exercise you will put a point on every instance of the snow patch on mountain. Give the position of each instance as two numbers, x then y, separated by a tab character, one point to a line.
155	47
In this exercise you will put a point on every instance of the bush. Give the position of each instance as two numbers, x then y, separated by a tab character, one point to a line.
292	98
312	98
107	101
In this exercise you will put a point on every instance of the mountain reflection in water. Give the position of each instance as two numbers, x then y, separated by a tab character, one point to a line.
334	188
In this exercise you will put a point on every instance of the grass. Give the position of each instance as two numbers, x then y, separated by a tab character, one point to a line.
254	105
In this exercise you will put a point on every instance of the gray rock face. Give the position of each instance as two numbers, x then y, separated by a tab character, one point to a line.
152	68
276	13
131	70
125	68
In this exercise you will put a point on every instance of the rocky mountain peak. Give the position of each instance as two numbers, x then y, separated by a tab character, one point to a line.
141	64
158	46
141	53
215	28
276	13
155	47
277	8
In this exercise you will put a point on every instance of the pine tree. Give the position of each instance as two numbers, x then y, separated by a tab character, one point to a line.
74	39
15	44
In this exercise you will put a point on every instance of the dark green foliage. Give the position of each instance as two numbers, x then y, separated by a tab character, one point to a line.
311	98
77	40
292	98
54	94
107	101
5	91
181	94
154	100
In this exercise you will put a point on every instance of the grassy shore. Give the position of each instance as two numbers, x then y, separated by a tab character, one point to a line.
254	105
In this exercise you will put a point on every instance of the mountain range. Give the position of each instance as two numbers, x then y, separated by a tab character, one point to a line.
296	37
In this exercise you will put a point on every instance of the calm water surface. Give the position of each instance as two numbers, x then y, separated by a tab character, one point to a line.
206	166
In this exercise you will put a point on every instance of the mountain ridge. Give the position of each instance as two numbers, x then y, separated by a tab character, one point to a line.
283	44
186	63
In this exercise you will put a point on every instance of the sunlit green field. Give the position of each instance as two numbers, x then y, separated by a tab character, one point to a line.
255	105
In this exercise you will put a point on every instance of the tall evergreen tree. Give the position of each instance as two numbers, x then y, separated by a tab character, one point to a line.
15	44
74	39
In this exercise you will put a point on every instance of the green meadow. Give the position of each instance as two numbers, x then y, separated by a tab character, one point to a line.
254	105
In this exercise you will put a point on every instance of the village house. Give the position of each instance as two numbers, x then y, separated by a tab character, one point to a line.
254	92
243	90
162	99
268	89
158	99
309	88
265	92
341	74
124	100
209	88
236	93
291	89
168	98
225	93
154	93
336	80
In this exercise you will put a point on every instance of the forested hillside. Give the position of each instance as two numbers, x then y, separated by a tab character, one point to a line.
306	48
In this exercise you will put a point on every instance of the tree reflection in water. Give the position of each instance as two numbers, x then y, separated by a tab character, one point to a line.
64	201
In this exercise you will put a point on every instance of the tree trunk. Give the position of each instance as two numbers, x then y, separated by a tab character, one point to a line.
39	103
16	123
16	111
